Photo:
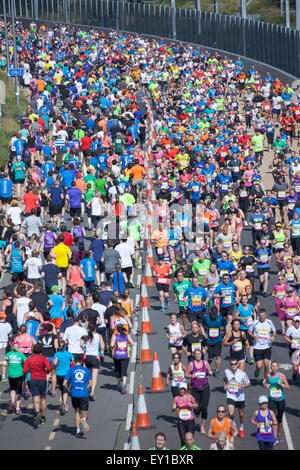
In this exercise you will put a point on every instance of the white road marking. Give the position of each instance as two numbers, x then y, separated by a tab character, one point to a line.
134	350
138	280
129	416
131	385
137	300
287	433
135	327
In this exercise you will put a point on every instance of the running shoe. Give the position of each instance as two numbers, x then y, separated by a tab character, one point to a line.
19	412
85	425
251	360
123	389
11	409
79	434
162	309
3	380
62	409
36	419
242	433
276	442
167	303
217	374
53	394
92	397
43	419
256	373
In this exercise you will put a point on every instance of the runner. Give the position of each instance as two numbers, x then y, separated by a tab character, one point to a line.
235	381
38	366
263	332
277	384
197	371
266	423
184	404
78	381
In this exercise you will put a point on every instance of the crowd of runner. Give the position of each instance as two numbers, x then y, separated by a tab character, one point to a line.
70	232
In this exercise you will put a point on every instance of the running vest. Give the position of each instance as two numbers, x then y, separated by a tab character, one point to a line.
276	391
279	239
177	376
121	347
25	343
216	428
49	239
16	262
185	409
174	330
78	232
201	376
291	307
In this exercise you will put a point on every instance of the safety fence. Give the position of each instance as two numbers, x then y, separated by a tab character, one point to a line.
264	42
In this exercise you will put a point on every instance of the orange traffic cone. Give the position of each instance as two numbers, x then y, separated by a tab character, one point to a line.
148	276
145	349
134	443
144	301
146	325
150	257
153	197
142	421
157	383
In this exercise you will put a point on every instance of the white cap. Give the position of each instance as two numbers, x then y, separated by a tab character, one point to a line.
262	399
296	318
183	385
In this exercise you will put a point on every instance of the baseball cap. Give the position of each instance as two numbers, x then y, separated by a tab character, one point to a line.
183	385
262	399
297	318
55	288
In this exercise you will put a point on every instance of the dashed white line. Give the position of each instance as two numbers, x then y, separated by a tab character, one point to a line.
131	384
129	416
137	300
133	355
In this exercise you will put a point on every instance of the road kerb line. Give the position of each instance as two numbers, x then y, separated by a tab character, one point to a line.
129	416
287	433
134	350
131	385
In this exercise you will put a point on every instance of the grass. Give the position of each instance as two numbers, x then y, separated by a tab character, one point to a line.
10	116
267	10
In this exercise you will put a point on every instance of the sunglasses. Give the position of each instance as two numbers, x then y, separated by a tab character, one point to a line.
221	411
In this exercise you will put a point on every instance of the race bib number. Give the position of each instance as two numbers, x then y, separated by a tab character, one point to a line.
162	280
122	345
196	302
291	312
227	299
185	414
249	268
213	332
264	259
237	346
233	388
263	334
281	194
275	393
248	321
195	346
264	429
200	375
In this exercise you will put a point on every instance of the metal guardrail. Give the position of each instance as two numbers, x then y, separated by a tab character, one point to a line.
271	44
